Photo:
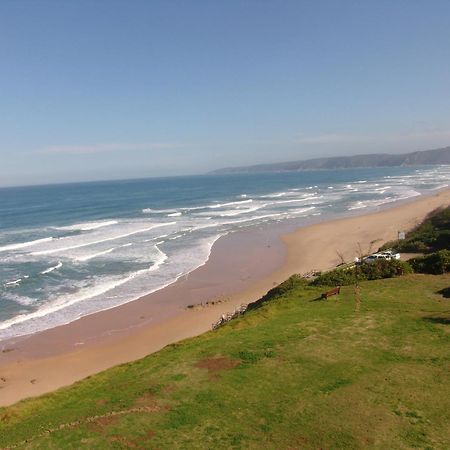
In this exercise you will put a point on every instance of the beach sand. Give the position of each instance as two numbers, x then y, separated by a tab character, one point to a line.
242	267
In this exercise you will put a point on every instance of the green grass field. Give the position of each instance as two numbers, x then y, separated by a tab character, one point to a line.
297	373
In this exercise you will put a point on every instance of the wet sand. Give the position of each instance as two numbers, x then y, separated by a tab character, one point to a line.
242	267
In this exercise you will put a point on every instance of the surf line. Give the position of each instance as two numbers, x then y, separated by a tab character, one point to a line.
56	250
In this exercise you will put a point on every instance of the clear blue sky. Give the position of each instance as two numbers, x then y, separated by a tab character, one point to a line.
118	89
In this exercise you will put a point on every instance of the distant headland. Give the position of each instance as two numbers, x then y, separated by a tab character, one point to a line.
419	158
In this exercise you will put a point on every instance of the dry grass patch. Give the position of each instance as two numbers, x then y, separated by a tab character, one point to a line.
216	365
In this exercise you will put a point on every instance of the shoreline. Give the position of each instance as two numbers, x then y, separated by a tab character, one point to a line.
242	267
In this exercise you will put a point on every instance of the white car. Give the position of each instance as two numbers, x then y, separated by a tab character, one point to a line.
386	256
390	254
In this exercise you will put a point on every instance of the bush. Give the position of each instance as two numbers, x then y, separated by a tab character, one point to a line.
337	277
385	269
366	271
434	263
431	235
443	240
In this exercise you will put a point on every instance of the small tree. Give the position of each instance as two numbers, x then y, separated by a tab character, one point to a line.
341	257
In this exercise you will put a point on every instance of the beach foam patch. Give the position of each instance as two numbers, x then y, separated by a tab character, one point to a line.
87	226
51	269
21	245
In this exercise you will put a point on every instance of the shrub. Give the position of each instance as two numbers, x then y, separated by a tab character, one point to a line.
385	269
337	277
291	283
366	271
434	263
443	240
431	235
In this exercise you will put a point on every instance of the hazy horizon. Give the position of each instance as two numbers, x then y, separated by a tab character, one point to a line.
94	91
207	173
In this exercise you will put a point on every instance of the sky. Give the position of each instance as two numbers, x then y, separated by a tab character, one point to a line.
93	90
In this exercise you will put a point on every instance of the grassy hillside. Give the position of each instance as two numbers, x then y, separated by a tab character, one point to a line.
295	373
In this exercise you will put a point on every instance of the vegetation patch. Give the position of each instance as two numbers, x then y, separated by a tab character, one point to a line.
434	263
432	235
216	365
363	272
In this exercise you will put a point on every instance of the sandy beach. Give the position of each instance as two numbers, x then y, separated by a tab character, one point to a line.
242	267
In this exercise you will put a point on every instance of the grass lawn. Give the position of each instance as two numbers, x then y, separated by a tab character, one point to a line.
297	373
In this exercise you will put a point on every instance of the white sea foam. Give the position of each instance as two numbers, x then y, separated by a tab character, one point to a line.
161	259
232	212
274	195
91	292
87	226
175	214
161	236
82	295
113	238
221	205
172	212
372	203
104	252
19	299
13	283
20	245
68	300
51	269
95	255
158	211
409	194
302	210
442	186
251	219
298	200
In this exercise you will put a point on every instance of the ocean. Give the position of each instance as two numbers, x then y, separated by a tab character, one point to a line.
74	249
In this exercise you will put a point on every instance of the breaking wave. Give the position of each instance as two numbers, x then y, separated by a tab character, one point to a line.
21	245
87	226
51	269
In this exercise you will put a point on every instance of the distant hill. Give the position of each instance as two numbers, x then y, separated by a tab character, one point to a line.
427	157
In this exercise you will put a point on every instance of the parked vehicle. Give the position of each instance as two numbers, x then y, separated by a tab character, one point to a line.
387	255
390	253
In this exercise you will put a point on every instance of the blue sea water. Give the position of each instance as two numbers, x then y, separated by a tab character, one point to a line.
74	249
